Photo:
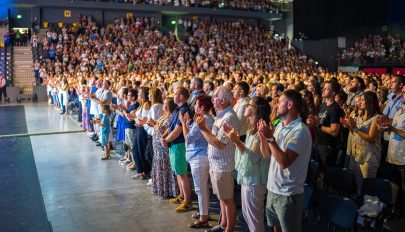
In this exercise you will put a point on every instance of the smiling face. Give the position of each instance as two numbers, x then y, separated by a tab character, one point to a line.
250	110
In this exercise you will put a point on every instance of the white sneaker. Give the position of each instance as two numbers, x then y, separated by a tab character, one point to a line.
149	182
90	134
124	162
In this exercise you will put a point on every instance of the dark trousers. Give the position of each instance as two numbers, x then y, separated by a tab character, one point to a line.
80	111
91	117
139	151
3	92
327	155
149	150
397	175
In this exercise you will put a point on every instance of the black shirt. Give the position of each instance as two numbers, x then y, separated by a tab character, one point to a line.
328	115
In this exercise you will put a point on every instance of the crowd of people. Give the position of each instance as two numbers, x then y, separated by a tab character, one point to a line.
374	49
227	104
251	5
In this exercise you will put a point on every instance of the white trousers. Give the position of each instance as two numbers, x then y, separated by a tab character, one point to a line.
253	203
200	171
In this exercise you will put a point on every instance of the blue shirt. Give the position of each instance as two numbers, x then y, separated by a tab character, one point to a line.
130	124
175	121
295	137
51	53
393	105
106	119
195	142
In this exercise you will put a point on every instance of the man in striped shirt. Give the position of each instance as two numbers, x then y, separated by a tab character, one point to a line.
221	154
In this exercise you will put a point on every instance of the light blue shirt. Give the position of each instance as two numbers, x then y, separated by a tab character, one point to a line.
393	105
251	166
290	181
195	142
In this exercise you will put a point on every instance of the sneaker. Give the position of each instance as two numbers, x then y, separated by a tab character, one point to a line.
90	134
123	162
184	207
149	182
217	228
176	200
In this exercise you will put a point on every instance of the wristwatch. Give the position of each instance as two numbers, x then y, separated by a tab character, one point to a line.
271	139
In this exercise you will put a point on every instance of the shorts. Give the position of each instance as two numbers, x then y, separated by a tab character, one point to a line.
285	211
222	184
177	154
129	136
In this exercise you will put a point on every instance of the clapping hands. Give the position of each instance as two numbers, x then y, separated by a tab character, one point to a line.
384	123
201	122
185	118
265	130
231	133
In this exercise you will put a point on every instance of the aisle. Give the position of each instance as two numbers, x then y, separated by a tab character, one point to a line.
82	193
21	203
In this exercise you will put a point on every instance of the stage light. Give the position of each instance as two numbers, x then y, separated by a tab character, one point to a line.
19	16
173	22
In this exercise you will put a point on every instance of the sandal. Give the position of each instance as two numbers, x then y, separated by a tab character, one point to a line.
196	215
198	224
137	176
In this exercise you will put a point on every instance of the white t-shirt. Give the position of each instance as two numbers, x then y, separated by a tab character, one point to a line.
94	104
154	113
290	181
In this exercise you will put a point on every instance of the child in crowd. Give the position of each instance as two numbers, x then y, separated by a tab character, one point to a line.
105	123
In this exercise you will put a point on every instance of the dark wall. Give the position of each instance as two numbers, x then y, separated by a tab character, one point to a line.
54	15
25	21
323	51
326	18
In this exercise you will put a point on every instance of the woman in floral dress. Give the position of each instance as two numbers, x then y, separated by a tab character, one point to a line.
163	180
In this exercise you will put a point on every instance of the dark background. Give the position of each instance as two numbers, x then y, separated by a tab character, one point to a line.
326	18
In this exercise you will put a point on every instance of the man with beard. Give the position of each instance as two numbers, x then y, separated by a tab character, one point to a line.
356	88
288	147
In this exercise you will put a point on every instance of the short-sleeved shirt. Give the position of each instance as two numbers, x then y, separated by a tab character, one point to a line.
290	181
106	120
223	160
130	124
328	115
196	143
175	121
104	95
94	107
154	113
240	108
396	144
393	105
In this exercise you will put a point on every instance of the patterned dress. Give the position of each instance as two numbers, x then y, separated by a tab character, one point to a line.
163	181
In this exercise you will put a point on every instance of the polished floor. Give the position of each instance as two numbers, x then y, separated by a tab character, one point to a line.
82	193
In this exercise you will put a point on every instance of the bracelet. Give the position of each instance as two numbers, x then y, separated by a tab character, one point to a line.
356	129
